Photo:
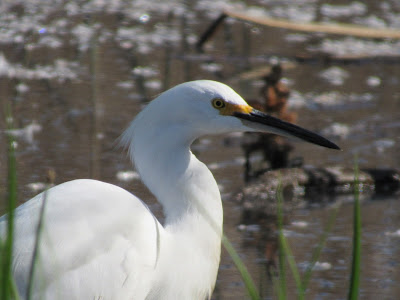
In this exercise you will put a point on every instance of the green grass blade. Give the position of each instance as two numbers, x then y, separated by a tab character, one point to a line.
7	245
285	252
36	248
2	257
356	257
291	261
282	270
282	252
277	288
14	290
317	251
248	281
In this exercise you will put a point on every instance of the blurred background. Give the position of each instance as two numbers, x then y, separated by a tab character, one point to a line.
75	73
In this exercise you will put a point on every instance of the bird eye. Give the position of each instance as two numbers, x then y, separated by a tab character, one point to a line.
218	103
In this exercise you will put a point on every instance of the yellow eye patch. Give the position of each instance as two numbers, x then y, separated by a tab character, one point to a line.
228	109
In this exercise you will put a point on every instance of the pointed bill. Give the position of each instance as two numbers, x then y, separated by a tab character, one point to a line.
263	122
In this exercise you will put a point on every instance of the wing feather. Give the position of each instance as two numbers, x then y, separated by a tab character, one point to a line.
96	239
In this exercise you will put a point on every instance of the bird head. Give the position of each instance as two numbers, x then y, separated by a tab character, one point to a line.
206	107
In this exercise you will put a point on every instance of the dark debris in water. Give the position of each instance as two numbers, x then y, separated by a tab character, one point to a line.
302	186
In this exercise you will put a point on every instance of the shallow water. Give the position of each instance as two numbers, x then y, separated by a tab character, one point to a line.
76	73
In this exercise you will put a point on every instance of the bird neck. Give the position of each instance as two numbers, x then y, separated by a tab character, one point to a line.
182	184
190	198
193	215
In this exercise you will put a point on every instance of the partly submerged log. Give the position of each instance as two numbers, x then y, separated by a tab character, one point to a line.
302	186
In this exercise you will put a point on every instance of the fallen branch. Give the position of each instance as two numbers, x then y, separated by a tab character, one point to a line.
341	29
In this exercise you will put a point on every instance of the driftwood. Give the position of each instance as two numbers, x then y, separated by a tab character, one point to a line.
302	186
210	31
339	29
262	71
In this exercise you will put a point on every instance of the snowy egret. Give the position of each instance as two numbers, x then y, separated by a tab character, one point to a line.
101	242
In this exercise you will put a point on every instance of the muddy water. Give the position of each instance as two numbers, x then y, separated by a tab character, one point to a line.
76	73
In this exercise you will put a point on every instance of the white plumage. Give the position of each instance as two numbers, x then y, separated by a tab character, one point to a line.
101	242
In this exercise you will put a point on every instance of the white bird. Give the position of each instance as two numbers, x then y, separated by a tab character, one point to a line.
101	242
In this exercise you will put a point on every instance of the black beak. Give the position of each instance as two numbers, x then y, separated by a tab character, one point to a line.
263	122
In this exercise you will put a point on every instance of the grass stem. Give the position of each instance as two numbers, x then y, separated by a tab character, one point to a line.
248	281
317	251
35	254
356	256
7	280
